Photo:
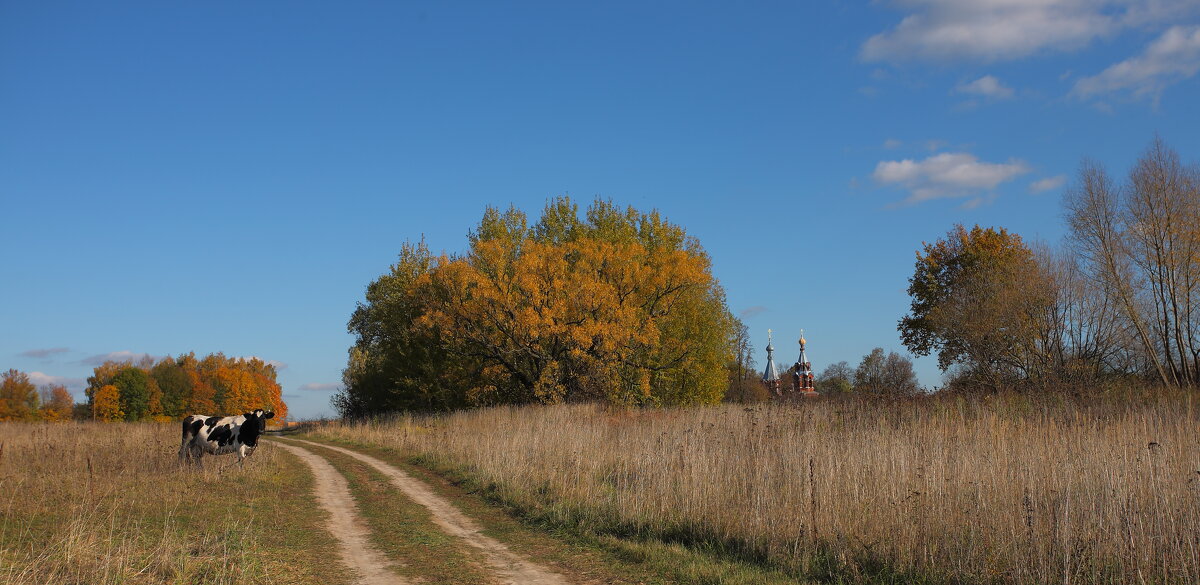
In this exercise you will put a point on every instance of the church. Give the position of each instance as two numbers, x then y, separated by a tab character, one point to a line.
801	373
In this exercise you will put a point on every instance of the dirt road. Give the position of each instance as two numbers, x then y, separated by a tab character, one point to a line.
334	495
507	566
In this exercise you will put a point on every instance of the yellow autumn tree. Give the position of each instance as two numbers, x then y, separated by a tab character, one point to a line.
103	374
622	307
106	404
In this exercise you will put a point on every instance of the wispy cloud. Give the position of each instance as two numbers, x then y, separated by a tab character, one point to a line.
42	379
1000	30
749	312
43	354
1047	184
986	86
320	387
988	30
892	144
116	356
946	175
1172	57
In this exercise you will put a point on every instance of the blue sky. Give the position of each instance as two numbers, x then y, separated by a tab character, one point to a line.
229	176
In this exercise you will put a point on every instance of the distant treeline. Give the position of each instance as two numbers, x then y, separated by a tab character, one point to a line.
149	390
1119	302
21	399
619	306
173	387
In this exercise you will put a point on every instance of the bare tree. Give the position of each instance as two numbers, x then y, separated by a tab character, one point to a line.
1140	247
1163	212
1093	210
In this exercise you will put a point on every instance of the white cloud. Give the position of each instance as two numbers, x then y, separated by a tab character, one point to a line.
1047	184
117	356
1172	57
946	175
43	354
986	86
321	387
997	30
892	144
41	379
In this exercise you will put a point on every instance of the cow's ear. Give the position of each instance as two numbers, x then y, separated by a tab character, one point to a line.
270	414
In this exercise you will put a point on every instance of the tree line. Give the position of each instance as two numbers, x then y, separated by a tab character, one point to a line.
878	374
172	387
162	390
618	305
1120	300
22	400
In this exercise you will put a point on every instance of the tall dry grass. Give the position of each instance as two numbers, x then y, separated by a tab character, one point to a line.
95	503
1003	490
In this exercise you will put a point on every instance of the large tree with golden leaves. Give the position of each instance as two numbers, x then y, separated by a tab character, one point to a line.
620	306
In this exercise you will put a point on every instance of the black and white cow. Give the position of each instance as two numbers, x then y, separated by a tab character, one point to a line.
215	435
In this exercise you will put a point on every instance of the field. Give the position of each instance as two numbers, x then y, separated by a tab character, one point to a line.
95	503
994	490
999	490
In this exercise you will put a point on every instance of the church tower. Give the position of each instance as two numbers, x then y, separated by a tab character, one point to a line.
802	376
770	377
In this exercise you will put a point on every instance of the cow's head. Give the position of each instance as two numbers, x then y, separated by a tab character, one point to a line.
259	418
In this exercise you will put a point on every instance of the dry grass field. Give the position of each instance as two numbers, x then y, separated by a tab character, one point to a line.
94	503
996	490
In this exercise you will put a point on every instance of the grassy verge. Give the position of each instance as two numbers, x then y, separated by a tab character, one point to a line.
403	530
572	549
98	504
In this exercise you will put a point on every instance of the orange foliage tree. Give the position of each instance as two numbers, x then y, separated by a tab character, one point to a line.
57	403
106	404
203	398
